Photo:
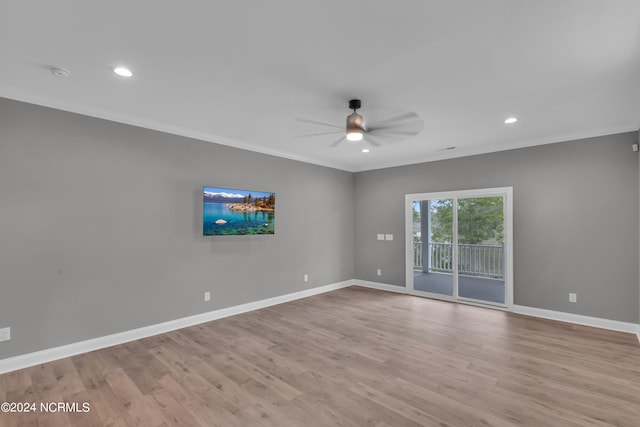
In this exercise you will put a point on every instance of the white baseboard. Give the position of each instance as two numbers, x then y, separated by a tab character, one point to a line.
579	319
51	354
380	286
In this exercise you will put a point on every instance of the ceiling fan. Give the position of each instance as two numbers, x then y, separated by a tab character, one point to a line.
392	129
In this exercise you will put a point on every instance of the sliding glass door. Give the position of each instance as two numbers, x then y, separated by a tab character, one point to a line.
460	246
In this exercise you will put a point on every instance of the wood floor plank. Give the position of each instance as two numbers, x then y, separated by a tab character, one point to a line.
322	391
352	357
132	399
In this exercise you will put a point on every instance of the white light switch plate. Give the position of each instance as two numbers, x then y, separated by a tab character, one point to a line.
388	236
5	334
380	236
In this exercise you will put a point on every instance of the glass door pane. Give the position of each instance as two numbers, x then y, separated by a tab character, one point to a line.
433	257
481	249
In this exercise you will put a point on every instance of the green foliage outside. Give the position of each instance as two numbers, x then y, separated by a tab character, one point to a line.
480	220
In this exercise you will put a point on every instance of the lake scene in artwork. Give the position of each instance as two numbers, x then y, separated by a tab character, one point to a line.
228	211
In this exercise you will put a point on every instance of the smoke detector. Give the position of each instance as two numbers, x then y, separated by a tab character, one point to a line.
60	72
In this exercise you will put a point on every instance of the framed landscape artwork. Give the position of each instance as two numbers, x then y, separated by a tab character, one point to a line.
233	212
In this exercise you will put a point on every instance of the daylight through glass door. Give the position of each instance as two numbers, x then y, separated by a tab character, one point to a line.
481	249
433	246
460	246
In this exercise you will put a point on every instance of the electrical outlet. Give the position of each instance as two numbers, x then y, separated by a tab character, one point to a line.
306	277
573	297
207	296
379	272
5	334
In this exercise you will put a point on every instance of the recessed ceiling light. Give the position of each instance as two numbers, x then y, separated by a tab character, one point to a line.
511	120
365	150
124	72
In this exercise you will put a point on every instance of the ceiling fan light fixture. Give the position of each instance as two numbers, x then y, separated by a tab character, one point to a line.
355	127
354	136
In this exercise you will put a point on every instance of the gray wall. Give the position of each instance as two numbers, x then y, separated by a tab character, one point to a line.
100	227
575	220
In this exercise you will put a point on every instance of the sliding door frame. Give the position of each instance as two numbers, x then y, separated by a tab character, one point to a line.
507	193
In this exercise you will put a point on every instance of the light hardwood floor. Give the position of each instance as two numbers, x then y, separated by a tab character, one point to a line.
352	357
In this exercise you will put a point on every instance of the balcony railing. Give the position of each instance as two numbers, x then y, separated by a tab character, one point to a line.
473	260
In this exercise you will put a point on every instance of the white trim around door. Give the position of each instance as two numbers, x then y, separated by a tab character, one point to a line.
507	193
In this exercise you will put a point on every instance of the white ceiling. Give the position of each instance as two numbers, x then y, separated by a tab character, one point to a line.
240	72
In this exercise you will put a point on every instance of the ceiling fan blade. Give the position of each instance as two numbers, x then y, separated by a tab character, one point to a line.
391	121
316	122
372	140
335	144
390	131
307	135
